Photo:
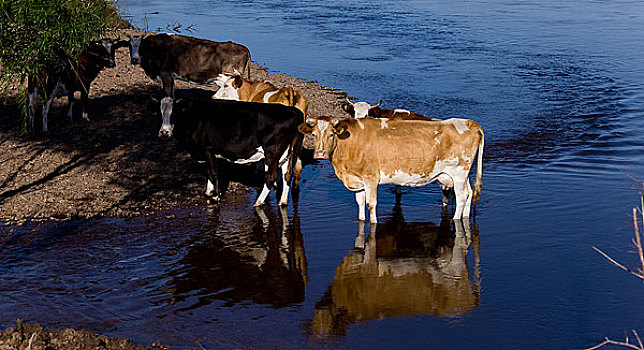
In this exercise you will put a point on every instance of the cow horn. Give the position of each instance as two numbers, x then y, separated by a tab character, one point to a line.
348	100
377	105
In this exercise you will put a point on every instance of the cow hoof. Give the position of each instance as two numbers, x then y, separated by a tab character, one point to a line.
258	204
283	204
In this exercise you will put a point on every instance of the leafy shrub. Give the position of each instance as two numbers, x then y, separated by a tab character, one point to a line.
48	33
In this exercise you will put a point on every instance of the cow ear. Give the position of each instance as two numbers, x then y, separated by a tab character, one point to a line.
342	130
238	81
305	128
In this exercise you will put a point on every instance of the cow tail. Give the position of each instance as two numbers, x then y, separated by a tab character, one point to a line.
478	183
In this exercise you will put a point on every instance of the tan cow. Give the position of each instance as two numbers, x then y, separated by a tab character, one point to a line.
368	152
237	88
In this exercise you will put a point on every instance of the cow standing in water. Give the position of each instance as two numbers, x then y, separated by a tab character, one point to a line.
368	152
165	57
77	76
361	110
236	132
239	89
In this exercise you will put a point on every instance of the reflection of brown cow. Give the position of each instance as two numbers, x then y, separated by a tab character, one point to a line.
405	269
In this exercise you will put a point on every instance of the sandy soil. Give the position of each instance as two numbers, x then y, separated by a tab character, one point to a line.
114	165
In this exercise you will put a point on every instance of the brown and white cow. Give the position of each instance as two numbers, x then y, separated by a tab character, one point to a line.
361	110
234	87
368	152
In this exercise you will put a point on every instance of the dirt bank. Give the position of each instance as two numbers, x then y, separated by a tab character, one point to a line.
114	165
33	336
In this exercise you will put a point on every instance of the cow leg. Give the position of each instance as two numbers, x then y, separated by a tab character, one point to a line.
461	190
285	184
398	194
371	194
297	171
168	84
360	199
212	178
468	201
360	239
265	191
70	100
32	100
84	104
45	112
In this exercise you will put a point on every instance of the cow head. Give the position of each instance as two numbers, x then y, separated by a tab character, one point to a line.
358	109
110	47
228	85
135	45
166	112
326	131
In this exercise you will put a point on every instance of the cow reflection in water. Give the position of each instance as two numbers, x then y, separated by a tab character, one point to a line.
257	257
401	269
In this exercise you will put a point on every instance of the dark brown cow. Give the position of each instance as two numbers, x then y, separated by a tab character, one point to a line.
78	76
168	56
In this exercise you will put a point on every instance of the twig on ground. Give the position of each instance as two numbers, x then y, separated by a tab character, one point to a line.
199	343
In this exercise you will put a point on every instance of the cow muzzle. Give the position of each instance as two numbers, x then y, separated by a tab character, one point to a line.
165	133
321	154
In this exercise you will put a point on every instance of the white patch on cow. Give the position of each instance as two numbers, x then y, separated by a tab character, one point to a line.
460	125
226	90
466	158
85	116
437	140
402	111
259	155
322	125
269	94
401	178
210	188
383	123
360	110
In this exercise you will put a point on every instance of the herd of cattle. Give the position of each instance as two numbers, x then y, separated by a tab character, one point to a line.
247	122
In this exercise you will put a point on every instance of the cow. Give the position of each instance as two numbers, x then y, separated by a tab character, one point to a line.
234	87
165	57
360	110
239	89
368	152
77	76
236	132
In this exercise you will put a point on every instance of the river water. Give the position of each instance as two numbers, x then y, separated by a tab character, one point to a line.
559	90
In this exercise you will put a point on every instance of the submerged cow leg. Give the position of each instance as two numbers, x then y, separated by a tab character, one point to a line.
285	185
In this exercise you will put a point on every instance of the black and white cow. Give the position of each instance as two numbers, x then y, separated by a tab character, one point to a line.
77	76
168	56
236	132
